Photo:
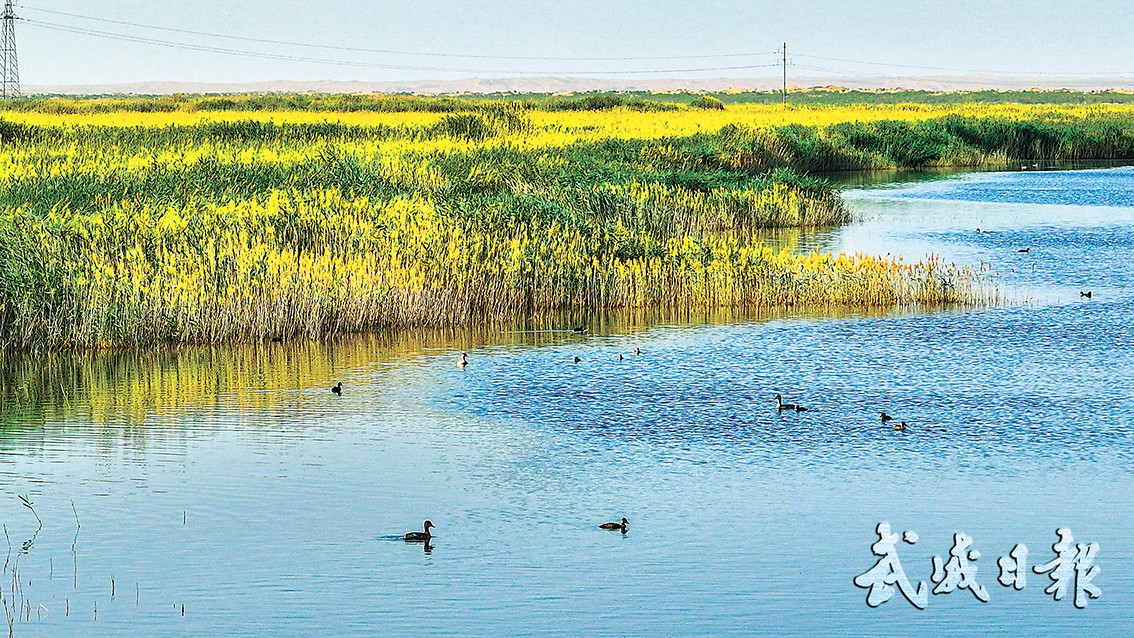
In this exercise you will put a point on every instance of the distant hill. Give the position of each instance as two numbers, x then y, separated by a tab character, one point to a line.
562	84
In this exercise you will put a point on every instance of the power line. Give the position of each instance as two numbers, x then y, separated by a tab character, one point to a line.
210	48
293	58
331	47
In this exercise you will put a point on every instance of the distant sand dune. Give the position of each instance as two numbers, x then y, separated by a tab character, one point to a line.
560	84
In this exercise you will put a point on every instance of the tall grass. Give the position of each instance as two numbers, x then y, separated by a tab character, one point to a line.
154	228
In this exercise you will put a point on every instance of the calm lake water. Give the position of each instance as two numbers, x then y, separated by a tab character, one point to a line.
228	492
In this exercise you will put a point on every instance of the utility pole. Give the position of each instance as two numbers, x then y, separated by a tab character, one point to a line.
8	60
785	73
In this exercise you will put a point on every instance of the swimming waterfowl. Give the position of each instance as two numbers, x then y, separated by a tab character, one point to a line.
900	427
619	526
421	536
620	357
464	360
1085	294
338	389
781	406
580	330
637	351
886	417
577	359
1025	250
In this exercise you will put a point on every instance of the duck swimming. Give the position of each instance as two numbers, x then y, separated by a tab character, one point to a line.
580	330
637	351
338	389
617	526
900	427
620	357
464	360
421	536
886	417
1025	250
781	406
1085	294
577	359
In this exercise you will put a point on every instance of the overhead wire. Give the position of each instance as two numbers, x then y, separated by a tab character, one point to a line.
211	48
351	63
332	47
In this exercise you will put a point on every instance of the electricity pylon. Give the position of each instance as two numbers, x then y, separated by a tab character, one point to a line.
11	65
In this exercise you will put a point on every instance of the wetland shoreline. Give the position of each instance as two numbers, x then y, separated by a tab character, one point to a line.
124	229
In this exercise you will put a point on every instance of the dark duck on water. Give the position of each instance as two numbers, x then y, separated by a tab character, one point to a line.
421	536
617	526
781	406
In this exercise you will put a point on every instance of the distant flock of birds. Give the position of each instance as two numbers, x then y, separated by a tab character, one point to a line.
985	231
623	526
795	407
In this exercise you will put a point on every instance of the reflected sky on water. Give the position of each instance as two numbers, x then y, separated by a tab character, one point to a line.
231	481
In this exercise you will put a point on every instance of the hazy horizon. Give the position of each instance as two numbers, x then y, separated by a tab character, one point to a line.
857	41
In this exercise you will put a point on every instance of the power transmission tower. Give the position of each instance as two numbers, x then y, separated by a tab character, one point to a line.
9	61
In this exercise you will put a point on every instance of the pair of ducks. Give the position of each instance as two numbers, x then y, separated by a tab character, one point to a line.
425	536
886	418
781	406
899	427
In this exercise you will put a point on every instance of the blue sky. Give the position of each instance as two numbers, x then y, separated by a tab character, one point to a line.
1017	36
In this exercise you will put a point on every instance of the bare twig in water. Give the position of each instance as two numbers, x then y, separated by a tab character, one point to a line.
8	611
28	504
9	557
74	554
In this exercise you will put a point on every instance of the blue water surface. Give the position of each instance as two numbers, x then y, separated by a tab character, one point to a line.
219	518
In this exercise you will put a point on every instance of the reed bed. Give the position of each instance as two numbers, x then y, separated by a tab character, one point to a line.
175	227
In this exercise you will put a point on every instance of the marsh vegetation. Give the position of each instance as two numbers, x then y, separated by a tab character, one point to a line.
206	220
